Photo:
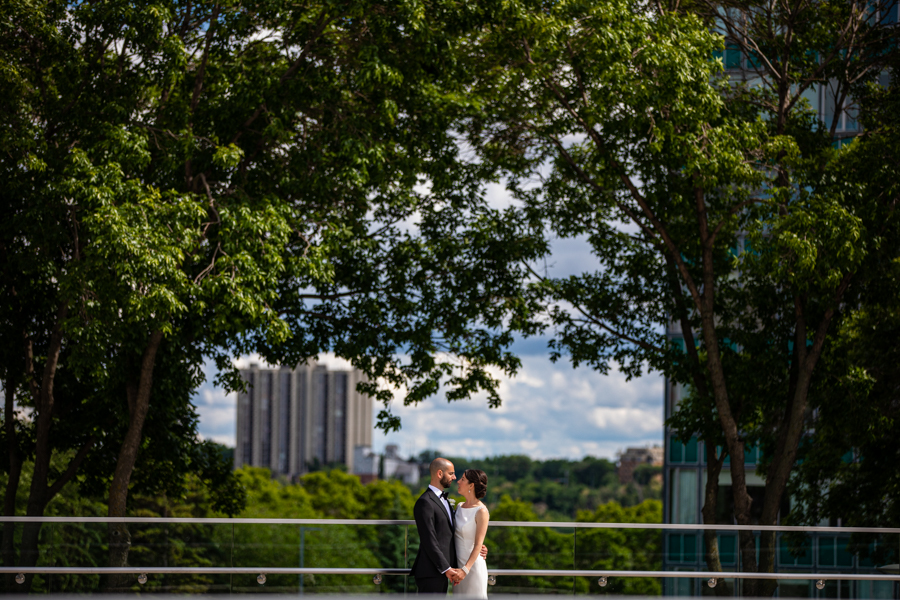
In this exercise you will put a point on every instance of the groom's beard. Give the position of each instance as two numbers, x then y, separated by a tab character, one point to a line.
445	481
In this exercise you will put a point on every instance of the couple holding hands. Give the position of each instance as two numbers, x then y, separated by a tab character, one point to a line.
451	542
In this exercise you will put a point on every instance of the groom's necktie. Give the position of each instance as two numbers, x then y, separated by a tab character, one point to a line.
445	494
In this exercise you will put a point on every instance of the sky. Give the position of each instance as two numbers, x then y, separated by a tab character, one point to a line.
549	410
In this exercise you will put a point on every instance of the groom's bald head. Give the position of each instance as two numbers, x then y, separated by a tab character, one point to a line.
439	464
442	472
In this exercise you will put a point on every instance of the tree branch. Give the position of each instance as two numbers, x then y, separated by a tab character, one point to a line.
589	317
72	468
201	72
53	350
624	178
317	33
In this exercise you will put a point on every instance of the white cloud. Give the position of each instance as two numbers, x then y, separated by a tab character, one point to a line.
225	440
617	418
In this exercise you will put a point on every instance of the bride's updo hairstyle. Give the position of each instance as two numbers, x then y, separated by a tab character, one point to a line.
479	478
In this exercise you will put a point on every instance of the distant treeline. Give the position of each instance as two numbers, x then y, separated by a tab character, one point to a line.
557	488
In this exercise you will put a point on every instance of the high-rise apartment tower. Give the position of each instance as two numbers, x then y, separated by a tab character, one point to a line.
290	419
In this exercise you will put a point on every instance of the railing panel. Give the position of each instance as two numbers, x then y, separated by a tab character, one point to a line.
342	556
532	548
321	546
619	549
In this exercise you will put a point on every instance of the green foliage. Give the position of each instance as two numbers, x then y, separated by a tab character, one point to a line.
315	496
845	465
616	549
527	548
323	495
75	544
643	474
557	548
183	545
558	489
85	544
232	178
845	468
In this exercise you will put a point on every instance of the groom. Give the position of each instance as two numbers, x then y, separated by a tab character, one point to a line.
433	567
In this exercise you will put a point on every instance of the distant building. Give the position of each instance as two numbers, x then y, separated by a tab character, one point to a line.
371	466
632	458
290	419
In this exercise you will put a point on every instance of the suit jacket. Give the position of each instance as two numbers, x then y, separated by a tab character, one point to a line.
437	549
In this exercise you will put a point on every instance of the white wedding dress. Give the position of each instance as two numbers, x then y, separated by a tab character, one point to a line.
475	583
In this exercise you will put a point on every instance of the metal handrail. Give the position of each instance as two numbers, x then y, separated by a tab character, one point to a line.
552	524
496	572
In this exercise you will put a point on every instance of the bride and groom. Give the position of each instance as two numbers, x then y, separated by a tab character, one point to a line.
450	542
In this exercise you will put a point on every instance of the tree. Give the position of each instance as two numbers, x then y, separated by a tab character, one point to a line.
187	180
717	205
846	471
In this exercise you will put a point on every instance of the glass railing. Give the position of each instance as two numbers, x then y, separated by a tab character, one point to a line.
353	557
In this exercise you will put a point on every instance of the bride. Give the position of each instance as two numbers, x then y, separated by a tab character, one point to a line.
472	519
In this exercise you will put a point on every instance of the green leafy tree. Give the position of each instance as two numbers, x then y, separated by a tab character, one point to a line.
179	544
557	488
601	549
846	463
592	471
718	205
844	471
70	544
184	180
334	494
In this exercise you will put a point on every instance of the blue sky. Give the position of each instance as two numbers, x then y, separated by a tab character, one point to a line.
550	410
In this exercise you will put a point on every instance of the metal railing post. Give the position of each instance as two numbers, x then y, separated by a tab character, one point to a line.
574	556
303	531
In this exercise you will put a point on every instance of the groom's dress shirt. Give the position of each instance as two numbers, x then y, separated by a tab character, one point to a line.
446	504
443	500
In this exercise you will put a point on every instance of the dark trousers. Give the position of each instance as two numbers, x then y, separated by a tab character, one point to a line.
432	585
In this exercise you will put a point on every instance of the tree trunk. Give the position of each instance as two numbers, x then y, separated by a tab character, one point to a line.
44	402
711	496
138	393
733	441
7	547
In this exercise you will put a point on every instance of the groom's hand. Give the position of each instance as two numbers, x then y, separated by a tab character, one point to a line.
484	552
453	575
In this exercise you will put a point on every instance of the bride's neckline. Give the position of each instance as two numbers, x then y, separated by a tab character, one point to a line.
476	506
